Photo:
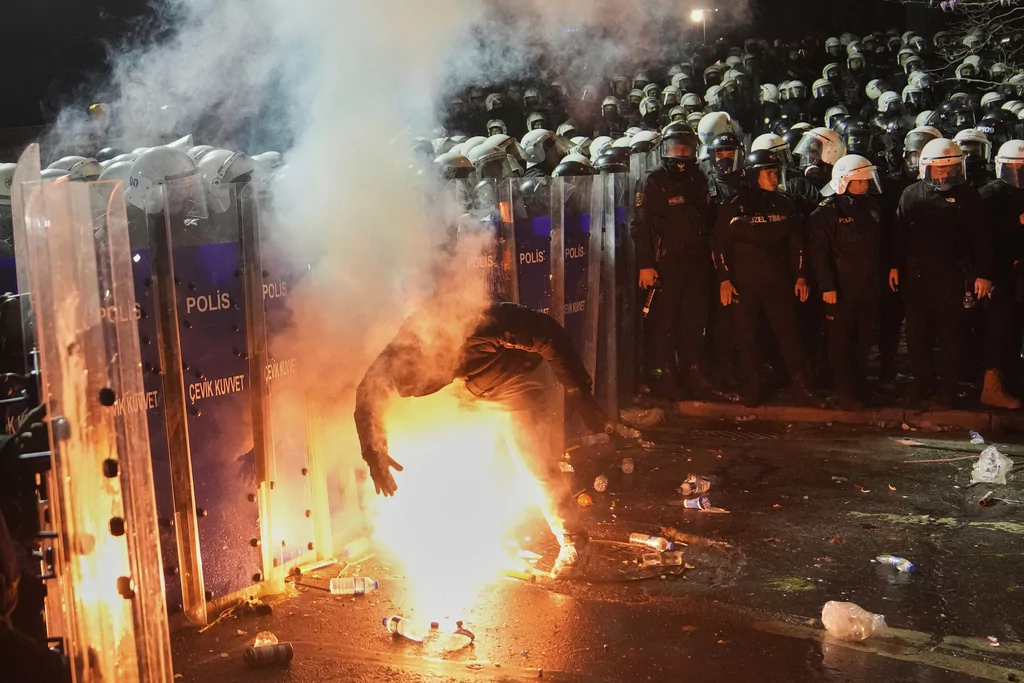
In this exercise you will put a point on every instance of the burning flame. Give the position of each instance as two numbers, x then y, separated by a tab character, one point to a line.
459	498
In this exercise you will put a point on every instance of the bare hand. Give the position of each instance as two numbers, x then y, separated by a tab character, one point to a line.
380	472
801	289
982	288
894	280
648	276
727	292
828	297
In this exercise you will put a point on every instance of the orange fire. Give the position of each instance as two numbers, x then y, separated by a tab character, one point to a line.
460	496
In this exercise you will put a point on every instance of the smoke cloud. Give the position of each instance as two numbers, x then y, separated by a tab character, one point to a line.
340	87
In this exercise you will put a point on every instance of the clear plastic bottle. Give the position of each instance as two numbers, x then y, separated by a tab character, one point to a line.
901	563
594	439
650	560
400	626
353	585
656	542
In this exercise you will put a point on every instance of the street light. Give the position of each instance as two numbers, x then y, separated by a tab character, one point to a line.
698	16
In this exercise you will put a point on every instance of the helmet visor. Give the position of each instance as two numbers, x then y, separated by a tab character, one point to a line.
808	150
825	90
726	160
861	181
798	92
943	176
1011	172
677	148
975	150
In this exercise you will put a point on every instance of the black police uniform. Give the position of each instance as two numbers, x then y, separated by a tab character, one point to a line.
942	243
1003	333
890	304
722	329
759	248
671	231
844	251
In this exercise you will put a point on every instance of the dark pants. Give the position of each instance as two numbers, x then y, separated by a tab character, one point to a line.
938	306
1001	341
851	332
679	312
779	305
890	324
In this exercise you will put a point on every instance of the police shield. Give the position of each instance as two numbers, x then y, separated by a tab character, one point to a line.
297	512
74	262
615	342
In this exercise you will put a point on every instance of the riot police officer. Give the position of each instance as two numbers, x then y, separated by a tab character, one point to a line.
1004	199
671	230
843	249
942	257
760	266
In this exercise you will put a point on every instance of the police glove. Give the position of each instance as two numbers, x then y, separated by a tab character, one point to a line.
381	464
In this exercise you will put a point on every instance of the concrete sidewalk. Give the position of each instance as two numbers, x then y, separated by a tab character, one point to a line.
982	421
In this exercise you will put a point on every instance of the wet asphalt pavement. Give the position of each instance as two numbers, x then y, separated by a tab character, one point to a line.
808	509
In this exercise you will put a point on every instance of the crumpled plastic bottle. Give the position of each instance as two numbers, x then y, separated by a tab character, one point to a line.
849	621
991	467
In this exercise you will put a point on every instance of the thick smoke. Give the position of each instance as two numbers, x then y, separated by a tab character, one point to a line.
340	87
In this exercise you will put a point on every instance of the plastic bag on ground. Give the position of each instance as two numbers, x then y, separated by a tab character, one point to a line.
641	417
991	467
848	621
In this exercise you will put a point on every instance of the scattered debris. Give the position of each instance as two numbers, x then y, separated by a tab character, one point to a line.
451	642
279	654
891	487
584	500
627	432
646	445
776	507
991	468
745	418
902	564
264	638
699	503
565	468
239	632
848	621
993	641
918	462
905	427
400	626
641	417
861	488
908	442
656	542
601	483
694	485
839	480
837	540
627	465
522	576
976	438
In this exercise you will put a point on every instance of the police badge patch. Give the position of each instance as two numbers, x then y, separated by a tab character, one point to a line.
639	199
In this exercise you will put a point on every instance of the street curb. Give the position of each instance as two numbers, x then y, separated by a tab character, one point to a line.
882	417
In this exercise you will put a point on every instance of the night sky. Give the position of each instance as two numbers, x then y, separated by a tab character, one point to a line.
56	49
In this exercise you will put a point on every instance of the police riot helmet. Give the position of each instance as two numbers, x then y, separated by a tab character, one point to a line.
574	167
974	144
759	161
613	160
942	164
775	144
726	153
453	166
679	143
152	171
644	141
914	142
854	167
1010	163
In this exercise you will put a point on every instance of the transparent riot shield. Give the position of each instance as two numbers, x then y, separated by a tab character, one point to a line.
534	234
631	297
296	515
74	262
199	298
611	196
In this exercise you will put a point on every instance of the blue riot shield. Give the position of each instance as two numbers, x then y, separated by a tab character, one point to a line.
100	532
199	297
